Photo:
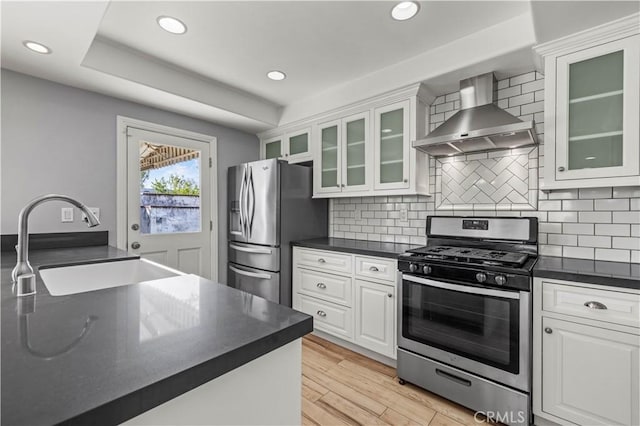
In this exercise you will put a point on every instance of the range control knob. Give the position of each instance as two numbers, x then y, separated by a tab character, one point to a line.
501	279
426	269
413	267
481	277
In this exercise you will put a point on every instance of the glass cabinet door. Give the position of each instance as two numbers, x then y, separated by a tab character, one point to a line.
392	146
298	144
355	145
273	148
595	97
329	157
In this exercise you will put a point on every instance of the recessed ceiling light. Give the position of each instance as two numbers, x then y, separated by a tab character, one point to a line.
36	47
172	25
404	10
276	75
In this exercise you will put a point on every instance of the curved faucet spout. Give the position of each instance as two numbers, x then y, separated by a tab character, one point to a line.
23	278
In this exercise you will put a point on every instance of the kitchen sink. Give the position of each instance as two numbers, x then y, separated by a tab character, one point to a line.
65	280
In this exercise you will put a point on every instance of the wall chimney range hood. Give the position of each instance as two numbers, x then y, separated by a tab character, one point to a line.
479	125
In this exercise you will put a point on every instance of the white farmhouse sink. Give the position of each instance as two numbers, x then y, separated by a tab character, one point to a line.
65	280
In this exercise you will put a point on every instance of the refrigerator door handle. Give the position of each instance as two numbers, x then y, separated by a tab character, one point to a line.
250	274
252	200
250	250
241	201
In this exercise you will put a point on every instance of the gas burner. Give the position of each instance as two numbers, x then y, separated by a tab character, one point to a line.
472	255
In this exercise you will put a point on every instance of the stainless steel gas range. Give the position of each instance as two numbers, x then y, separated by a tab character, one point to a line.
464	328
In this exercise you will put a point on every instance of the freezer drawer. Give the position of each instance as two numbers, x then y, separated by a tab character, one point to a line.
253	256
255	281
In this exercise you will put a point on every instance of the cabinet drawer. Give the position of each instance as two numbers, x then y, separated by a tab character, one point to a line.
372	267
324	260
328	317
332	288
621	308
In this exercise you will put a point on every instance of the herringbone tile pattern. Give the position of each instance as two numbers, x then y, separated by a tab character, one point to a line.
483	181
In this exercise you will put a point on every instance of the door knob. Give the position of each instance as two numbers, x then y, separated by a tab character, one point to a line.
135	226
135	245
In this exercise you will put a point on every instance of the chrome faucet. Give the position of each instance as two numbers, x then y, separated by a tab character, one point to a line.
24	280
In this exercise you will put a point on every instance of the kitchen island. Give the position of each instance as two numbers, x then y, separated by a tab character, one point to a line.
197	353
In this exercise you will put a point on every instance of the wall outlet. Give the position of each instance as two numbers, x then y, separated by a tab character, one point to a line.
404	215
66	214
94	210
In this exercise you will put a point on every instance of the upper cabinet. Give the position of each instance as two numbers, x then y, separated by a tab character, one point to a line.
592	107
363	149
342	162
295	147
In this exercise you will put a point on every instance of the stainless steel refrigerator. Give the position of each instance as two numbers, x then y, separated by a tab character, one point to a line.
270	205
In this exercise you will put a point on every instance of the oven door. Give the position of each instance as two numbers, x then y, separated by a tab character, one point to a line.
481	330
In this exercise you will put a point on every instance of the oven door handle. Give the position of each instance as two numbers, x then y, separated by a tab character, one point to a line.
462	288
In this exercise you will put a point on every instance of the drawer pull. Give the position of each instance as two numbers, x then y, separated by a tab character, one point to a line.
321	260
453	377
321	285
548	330
374	269
322	314
595	305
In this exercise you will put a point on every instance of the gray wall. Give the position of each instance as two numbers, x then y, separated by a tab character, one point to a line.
57	138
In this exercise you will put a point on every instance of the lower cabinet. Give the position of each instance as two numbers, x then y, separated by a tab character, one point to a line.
375	317
586	344
590	374
356	303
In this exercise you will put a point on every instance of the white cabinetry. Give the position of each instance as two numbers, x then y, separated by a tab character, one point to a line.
364	149
592	107
294	146
586	353
350	296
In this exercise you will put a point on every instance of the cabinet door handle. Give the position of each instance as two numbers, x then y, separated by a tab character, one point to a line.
321	285
548	330
374	269
322	314
405	180
561	169
321	260
389	295
595	305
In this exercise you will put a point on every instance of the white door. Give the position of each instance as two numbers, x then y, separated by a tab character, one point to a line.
590	375
169	200
375	317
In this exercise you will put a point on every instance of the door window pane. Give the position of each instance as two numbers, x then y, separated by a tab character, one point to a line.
391	146
595	112
169	189
355	152
273	149
299	144
329	144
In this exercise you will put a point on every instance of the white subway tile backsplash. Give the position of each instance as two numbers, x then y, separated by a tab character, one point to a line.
591	223
578	252
594	241
626	243
613	255
612	204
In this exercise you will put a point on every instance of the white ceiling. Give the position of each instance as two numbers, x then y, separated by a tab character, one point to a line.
332	51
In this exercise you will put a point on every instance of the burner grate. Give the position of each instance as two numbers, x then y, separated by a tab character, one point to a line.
473	255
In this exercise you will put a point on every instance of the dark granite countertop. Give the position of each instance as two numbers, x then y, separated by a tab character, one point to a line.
368	248
614	274
105	356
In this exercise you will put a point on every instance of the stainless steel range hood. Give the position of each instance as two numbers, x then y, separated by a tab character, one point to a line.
479	125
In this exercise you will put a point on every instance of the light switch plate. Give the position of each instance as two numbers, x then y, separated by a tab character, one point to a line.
94	210
404	214
66	214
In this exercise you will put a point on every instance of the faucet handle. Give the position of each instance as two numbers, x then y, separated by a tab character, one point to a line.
25	285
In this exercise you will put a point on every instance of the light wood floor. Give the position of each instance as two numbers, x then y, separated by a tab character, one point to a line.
341	387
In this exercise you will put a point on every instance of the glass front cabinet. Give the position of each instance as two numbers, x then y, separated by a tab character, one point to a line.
343	160
295	147
592	117
392	146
